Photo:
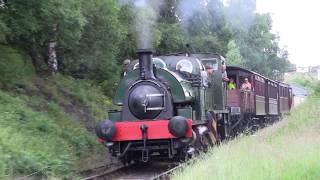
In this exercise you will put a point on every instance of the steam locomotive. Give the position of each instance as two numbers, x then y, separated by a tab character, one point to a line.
166	112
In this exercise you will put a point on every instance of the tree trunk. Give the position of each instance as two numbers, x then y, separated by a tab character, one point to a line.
51	56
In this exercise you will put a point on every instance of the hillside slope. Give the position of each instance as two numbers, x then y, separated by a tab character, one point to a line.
46	124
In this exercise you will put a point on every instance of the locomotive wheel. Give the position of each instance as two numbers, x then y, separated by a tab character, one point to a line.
203	142
184	155
125	160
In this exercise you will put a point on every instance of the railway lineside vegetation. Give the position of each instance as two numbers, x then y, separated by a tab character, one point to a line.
306	81
287	150
59	61
46	123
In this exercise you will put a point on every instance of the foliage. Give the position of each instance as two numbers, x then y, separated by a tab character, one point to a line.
129	43
306	81
33	24
3	30
33	140
43	126
14	67
87	93
172	39
94	37
95	55
44	123
259	48
233	55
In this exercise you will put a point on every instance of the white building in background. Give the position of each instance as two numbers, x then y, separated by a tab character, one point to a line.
299	94
303	69
313	71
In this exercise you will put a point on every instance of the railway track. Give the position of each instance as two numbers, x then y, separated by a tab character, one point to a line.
136	171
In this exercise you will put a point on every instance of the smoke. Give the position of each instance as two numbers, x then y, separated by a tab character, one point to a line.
146	16
186	11
240	13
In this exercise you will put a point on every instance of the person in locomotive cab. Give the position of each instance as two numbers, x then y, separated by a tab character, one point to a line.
231	85
224	72
206	74
246	85
125	67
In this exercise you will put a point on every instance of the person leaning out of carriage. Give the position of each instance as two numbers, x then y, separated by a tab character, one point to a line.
246	85
231	85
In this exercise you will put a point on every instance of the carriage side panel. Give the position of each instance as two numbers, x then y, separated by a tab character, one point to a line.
260	95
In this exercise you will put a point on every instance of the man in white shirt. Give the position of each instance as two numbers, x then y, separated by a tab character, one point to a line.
205	75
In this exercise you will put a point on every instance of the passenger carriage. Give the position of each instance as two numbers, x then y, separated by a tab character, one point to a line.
267	99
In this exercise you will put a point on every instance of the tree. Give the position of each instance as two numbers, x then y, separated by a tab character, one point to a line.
259	47
95	56
233	55
34	24
172	38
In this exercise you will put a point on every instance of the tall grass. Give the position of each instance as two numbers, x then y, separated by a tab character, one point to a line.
88	93
30	140
15	67
288	150
37	131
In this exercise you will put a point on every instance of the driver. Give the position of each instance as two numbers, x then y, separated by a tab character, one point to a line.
205	75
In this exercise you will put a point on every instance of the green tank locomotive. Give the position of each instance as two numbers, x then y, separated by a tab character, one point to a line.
165	110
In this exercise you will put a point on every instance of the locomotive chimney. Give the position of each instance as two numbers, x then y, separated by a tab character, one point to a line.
145	63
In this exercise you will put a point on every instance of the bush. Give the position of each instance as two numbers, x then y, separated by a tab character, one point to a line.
32	140
316	89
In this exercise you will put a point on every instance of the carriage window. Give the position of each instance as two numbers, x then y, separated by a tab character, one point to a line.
184	65
260	86
273	90
212	61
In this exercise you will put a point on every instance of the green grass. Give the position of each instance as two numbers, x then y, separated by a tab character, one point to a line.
88	94
43	121
31	140
15	67
289	149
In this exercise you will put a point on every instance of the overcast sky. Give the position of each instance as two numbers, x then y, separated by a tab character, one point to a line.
298	24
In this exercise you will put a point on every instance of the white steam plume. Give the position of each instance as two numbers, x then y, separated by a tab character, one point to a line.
145	20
